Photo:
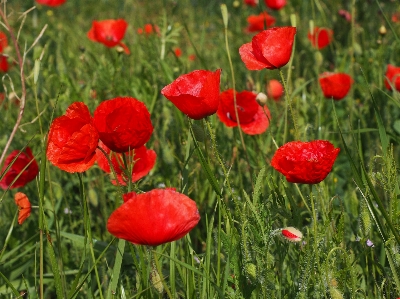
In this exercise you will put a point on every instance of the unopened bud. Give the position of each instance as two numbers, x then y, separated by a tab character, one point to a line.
292	234
261	99
382	30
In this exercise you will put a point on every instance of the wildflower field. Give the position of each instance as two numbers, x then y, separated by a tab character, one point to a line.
200	149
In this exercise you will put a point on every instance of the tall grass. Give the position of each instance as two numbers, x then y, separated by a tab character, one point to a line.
64	250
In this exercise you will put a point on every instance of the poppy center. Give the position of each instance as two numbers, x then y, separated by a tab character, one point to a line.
246	109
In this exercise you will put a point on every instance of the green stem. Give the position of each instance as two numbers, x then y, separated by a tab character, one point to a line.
289	104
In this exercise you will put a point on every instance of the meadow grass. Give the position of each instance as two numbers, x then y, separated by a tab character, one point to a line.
64	250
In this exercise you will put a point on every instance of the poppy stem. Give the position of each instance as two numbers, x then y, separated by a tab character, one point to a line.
225	17
23	87
289	104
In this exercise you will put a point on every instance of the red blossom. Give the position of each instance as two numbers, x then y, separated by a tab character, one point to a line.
154	218
24	206
274	89
392	77
335	85
123	123
251	2
3	63
320	37
3	41
305	162
109	33
195	94
143	160
253	119
51	2
396	17
192	57
269	49
178	52
259	22
24	167
73	139
275	4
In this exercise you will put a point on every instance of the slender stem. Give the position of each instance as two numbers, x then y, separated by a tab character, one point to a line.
289	104
234	102
23	87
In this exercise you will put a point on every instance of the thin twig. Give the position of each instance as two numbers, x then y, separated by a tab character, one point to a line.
23	87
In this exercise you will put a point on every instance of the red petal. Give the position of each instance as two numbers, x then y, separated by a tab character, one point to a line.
154	218
274	45
251	62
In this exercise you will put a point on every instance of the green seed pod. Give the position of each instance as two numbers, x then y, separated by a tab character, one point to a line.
198	133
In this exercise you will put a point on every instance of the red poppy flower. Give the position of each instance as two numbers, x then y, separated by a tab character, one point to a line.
392	77
51	2
275	4
24	167
143	159
335	85
24	206
192	57
3	63
251	2
274	89
3	41
305	162
396	17
253	119
123	124
109	33
269	49
154	218
195	94
259	22
73	140
320	37
178	52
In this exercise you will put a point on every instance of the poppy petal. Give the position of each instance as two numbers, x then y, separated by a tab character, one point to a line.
154	218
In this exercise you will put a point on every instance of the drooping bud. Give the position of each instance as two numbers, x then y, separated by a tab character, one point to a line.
292	234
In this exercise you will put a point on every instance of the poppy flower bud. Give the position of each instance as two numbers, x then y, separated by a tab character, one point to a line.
382	30
198	133
261	99
270	49
292	234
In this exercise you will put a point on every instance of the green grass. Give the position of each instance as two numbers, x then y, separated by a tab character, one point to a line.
236	250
